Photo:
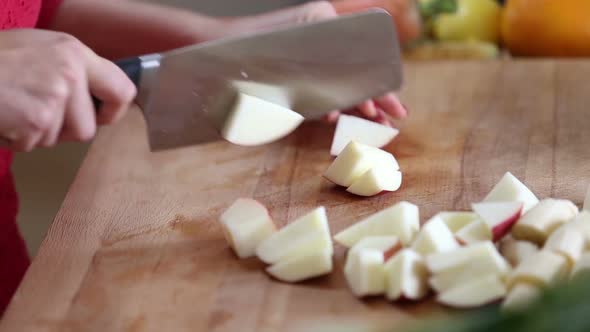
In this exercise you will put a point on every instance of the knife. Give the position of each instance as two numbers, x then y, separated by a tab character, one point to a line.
314	68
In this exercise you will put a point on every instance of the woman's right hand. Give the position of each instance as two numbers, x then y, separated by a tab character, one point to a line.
46	82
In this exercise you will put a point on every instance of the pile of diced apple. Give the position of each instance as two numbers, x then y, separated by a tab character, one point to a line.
365	170
301	250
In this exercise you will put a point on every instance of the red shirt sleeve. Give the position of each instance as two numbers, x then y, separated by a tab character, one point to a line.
48	10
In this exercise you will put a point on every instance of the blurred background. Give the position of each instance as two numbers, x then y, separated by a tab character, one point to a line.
431	30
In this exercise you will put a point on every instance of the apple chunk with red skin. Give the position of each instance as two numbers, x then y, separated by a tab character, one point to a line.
351	128
254	121
499	216
246	223
364	269
509	188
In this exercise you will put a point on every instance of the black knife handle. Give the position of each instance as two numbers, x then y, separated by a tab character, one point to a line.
131	67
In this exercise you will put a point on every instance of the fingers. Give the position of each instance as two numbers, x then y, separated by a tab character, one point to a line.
368	109
112	87
332	116
79	123
391	105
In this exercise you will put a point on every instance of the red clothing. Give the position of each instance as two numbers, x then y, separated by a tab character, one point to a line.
14	258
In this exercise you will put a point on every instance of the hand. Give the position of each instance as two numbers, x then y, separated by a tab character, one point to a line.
379	109
46	80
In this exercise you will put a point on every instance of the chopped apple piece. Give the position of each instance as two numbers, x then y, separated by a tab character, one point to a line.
500	216
582	266
307	234
515	251
587	200
355	160
456	220
364	272
476	231
485	252
567	241
474	293
582	223
401	220
406	276
509	188
434	237
298	268
537	224
351	128
375	181
246	223
245	122
461	274
543	269
388	245
520	297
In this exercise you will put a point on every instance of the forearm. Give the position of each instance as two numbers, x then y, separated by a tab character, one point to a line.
116	29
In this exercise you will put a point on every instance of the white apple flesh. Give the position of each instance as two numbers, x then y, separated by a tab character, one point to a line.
582	223
246	223
509	188
475	293
538	223
433	237
309	233
461	274
355	160
484	252
388	245
520	297
456	220
499	216
299	268
407	276
542	269
254	121
582	267
567	241
401	220
375	181
477	231
515	251
351	128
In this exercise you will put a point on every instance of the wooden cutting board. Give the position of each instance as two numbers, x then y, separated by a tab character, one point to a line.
136	246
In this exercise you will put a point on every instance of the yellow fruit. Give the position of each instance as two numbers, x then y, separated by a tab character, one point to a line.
473	20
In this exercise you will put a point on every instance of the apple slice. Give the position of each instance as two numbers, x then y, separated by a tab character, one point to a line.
298	268
543	269
254	121
456	220
509	188
246	223
364	269
515	251
474	293
375	181
582	266
582	223
538	223
485	252
307	234
461	274
520	297
401	220
355	160
567	241
587	200
477	231
434	237
351	128
406	276
499	216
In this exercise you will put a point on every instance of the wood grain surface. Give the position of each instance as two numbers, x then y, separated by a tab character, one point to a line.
136	245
